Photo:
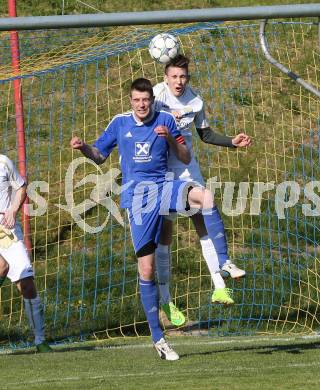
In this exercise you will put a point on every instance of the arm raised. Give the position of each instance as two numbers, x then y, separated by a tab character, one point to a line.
209	136
177	144
87	150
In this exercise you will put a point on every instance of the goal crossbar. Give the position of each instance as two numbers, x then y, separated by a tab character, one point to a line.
158	17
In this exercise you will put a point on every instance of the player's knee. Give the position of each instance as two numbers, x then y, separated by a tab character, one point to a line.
200	197
146	271
207	199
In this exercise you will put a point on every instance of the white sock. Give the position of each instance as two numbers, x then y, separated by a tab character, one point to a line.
210	255
218	281
34	311
163	268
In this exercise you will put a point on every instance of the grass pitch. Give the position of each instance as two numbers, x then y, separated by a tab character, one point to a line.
205	363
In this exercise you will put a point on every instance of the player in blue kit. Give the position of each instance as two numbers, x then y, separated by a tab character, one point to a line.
144	137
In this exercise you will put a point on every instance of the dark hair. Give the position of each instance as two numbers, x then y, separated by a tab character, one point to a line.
178	62
142	85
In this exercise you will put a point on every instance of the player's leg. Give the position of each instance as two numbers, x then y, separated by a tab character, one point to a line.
163	270
21	273
201	198
4	269
186	196
227	268
221	294
150	302
144	235
148	290
193	174
34	312
163	263
163	251
208	251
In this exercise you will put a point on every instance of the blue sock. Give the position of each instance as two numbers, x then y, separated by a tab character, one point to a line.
215	229
150	301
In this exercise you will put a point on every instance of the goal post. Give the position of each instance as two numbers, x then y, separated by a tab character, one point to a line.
75	80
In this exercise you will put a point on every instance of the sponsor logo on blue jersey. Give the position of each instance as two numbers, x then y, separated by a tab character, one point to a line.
142	152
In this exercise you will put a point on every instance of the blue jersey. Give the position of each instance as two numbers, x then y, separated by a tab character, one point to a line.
143	154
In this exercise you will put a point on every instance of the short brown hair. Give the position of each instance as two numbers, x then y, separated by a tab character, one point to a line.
142	85
180	61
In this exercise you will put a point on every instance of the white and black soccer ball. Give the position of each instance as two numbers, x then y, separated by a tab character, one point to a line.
164	47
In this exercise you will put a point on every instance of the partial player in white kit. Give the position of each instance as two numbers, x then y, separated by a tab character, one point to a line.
176	96
14	259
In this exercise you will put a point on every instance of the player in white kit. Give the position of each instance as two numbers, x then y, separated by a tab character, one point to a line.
177	97
14	259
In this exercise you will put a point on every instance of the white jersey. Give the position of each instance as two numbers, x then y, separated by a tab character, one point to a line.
10	181
16	253
190	107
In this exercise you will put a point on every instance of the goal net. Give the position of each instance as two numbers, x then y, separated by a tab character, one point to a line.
73	83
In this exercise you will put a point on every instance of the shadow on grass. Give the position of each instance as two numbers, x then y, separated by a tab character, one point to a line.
294	349
262	349
58	349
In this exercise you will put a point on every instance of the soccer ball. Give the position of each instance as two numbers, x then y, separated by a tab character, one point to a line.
164	47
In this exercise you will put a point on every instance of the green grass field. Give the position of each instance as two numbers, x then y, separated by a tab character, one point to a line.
205	363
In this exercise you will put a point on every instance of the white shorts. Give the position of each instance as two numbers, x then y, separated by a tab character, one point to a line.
17	257
190	172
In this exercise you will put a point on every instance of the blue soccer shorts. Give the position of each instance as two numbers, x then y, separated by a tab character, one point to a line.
151	202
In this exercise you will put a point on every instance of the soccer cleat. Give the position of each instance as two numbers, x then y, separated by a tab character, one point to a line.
174	315
222	295
165	351
230	269
44	347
